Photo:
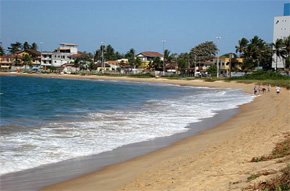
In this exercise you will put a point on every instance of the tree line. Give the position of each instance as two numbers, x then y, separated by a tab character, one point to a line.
255	53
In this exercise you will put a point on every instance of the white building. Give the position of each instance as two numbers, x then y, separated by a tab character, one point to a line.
281	30
60	56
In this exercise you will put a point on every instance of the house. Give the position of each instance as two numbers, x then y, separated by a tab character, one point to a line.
224	64
101	67
69	68
148	56
15	62
114	64
7	61
35	57
171	67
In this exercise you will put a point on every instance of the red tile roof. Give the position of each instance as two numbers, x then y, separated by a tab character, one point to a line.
78	54
152	54
206	62
113	62
31	51
8	56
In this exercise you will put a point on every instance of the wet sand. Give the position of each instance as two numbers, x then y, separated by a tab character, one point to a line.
216	159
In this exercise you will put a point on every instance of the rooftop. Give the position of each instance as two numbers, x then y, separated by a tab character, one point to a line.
151	54
67	44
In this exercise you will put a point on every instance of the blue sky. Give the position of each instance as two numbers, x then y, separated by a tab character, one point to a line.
138	24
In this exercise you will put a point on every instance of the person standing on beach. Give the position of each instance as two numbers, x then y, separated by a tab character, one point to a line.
278	90
255	90
269	87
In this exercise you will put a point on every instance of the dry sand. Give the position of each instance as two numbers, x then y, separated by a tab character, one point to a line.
216	159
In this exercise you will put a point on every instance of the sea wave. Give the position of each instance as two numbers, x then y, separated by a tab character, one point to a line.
102	131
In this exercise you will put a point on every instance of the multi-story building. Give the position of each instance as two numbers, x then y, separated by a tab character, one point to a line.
281	30
225	63
60	56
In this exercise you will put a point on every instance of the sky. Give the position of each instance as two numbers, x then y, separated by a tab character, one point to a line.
138	24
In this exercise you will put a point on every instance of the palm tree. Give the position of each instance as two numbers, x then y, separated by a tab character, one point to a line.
286	42
278	49
34	46
26	46
242	46
2	51
261	48
26	60
157	63
17	61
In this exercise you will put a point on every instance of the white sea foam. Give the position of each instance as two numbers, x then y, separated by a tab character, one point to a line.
108	130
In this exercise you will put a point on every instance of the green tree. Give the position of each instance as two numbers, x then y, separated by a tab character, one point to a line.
109	53
26	58
98	55
247	64
14	47
26	46
157	64
278	50
286	42
256	51
182	64
204	51
130	53
168	57
17	61
212	70
34	46
241	47
91	66
2	51
83	61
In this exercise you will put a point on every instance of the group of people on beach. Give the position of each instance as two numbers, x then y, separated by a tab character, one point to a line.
259	88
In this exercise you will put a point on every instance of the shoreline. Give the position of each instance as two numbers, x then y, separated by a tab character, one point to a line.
152	171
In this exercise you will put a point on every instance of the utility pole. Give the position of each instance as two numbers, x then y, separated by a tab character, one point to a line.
218	61
195	66
41	56
230	56
163	41
103	66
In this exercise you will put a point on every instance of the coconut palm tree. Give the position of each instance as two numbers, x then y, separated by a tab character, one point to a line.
242	46
278	50
27	60
286	42
2	51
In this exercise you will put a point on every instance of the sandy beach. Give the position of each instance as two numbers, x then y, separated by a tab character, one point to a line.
216	159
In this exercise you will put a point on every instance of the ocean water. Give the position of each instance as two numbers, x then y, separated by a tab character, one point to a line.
48	120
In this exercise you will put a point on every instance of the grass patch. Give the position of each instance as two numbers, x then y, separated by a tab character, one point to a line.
147	75
281	149
263	78
279	183
253	177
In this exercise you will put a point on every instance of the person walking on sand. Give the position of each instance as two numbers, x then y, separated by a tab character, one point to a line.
278	90
269	87
255	90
